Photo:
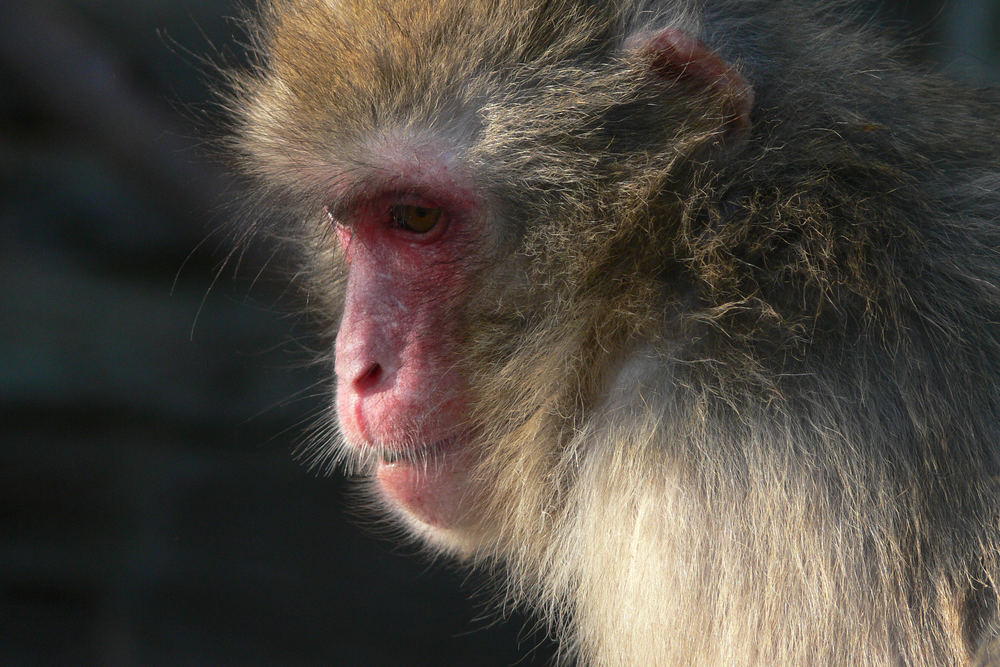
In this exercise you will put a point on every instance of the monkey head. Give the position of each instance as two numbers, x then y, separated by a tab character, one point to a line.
488	226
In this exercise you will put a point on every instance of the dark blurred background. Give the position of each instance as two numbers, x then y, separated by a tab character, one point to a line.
152	511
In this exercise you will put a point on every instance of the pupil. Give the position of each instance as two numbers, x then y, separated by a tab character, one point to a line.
421	212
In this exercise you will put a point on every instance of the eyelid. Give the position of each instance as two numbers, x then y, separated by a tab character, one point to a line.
346	211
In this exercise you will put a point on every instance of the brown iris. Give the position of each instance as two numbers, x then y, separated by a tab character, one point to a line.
416	219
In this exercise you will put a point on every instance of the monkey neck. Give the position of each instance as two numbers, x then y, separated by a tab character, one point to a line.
667	557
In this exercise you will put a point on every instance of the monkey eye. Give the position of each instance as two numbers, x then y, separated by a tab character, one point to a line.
416	219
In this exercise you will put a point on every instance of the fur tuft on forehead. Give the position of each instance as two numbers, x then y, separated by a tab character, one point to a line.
558	76
386	52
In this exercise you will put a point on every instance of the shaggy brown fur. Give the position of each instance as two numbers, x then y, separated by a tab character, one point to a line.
738	399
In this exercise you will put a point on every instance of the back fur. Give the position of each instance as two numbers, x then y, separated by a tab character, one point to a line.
740	400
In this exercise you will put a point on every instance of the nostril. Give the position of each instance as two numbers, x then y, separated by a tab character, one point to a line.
368	378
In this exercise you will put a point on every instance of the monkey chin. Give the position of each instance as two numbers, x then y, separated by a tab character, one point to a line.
429	492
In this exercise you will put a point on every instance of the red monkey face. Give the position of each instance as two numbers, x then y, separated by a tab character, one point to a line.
400	396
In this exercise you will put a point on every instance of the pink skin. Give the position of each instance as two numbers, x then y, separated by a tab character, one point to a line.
397	386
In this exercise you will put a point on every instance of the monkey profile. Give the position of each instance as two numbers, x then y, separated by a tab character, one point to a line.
683	316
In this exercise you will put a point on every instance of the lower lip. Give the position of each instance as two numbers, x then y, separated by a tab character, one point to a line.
431	491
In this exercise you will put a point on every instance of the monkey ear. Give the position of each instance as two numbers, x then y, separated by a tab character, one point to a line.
673	54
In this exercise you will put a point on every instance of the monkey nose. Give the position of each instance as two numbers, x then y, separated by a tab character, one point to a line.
360	362
368	378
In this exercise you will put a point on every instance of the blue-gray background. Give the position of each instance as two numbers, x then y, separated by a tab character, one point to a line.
151	510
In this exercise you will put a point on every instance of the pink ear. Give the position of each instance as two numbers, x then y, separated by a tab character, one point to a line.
673	54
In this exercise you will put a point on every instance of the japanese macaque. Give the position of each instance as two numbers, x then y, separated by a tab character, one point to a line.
682	316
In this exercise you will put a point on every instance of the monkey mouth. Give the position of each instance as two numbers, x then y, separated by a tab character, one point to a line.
423	454
388	457
427	484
